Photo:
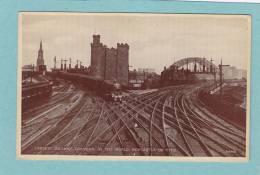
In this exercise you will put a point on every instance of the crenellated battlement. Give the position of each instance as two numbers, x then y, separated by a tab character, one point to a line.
125	45
111	49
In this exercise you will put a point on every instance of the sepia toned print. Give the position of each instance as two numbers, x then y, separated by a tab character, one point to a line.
122	85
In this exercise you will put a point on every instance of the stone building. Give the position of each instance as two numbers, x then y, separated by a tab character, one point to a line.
122	63
109	63
98	55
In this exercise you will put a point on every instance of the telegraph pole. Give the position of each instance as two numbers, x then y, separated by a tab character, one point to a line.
214	72
203	68
128	74
211	67
187	64
70	64
221	78
55	61
32	71
77	66
65	66
195	66
61	64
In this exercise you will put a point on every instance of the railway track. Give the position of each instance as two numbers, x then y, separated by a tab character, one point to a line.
53	129
188	120
168	122
230	140
199	135
62	96
159	137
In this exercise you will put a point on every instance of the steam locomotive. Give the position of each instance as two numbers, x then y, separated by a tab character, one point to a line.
112	92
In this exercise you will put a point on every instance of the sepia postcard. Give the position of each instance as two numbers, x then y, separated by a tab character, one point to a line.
133	86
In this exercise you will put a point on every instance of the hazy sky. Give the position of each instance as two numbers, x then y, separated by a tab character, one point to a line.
155	40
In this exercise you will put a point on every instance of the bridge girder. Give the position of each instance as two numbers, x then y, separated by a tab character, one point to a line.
200	61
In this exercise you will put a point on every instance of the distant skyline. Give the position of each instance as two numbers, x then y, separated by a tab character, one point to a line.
155	40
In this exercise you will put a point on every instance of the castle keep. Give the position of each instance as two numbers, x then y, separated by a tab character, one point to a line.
109	63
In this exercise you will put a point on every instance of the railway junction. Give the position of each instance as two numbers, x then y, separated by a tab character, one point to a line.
170	121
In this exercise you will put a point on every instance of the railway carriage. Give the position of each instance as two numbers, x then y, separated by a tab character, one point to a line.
33	92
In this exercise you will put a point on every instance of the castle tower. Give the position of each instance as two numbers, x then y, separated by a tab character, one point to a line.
111	64
40	60
98	58
122	63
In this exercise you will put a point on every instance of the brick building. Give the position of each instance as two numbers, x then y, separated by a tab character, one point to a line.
109	63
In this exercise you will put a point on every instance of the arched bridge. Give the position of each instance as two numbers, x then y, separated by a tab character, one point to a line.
195	64
188	70
198	60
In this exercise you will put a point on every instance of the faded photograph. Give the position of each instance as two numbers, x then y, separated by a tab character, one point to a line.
129	84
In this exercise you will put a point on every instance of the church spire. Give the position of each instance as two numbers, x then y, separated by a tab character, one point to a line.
40	60
41	45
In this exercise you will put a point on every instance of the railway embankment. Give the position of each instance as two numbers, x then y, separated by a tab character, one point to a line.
231	112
